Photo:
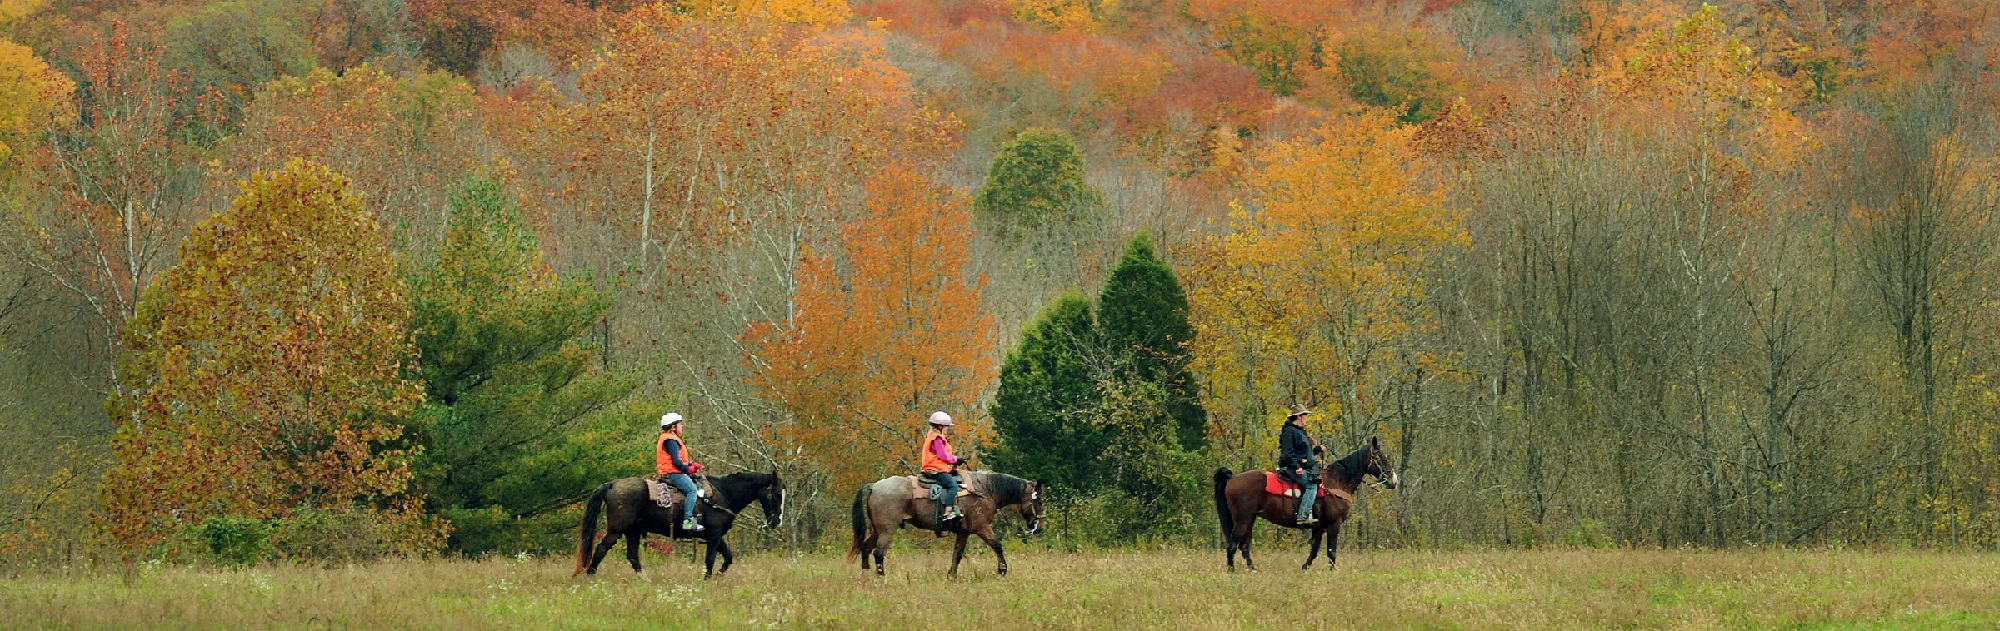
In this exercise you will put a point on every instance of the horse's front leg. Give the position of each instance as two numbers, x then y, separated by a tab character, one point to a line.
632	547
728	556
1312	549
957	554
992	541
1332	544
709	571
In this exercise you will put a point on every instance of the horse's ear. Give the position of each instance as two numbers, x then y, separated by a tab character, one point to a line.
1374	444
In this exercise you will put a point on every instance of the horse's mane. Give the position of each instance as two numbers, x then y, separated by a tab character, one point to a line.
1349	467
1006	489
741	481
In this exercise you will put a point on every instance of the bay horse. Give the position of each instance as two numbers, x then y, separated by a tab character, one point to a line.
1240	499
630	512
890	503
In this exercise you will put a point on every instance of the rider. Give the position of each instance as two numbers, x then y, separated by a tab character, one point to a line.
939	465
675	462
1295	457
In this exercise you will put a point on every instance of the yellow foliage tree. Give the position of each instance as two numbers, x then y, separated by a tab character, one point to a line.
266	371
31	94
811	12
1319	281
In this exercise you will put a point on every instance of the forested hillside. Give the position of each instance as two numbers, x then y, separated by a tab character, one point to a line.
383	276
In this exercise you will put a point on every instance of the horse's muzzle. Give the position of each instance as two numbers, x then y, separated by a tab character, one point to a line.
1393	481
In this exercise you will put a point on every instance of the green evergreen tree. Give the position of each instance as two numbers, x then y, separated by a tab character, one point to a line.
1037	179
1044	412
519	418
1143	316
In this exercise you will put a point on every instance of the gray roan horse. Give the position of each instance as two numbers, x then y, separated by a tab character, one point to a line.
1241	498
888	504
632	514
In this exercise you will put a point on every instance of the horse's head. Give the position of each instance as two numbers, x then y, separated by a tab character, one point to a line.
1378	465
1031	508
772	498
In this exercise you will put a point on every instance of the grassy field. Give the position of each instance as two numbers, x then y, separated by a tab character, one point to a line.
1137	590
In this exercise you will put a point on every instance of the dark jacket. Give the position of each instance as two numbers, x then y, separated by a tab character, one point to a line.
1295	449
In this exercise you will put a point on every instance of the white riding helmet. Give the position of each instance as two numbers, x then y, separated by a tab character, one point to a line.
670	419
940	418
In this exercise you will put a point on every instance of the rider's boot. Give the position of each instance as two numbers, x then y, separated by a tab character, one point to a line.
950	513
1307	494
691	525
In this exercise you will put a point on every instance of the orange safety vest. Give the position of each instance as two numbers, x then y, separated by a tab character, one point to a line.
664	462
931	460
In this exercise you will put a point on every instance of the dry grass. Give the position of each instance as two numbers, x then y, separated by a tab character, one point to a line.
1149	590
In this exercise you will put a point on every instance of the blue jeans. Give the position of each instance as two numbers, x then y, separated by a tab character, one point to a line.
686	485
950	484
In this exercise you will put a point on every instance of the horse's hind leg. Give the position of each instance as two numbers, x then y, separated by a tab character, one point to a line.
1312	549
603	548
867	548
881	545
632	547
1245	547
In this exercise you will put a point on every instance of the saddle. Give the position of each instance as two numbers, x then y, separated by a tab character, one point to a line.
1277	485
921	488
667	496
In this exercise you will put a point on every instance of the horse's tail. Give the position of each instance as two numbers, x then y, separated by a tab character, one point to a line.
591	508
1222	476
859	514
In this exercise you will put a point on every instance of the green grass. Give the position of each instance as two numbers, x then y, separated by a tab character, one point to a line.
1135	590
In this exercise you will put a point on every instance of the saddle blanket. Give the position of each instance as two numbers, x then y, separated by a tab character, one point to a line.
1277	485
667	496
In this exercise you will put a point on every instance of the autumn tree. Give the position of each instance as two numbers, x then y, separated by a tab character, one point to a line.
405	139
889	327
264	371
519	414
706	161
1319	282
32	96
118	184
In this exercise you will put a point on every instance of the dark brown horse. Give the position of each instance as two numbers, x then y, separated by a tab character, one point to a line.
890	503
632	514
1240	499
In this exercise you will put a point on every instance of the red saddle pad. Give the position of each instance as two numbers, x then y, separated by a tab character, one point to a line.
1276	485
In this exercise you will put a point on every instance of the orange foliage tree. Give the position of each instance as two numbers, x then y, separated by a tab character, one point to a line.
115	187
1319	283
265	371
404	140
889	327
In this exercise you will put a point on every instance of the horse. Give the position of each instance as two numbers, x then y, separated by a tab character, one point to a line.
1240	499
888	504
633	513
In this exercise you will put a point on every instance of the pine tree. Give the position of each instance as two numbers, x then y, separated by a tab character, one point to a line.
509	369
1144	318
1044	412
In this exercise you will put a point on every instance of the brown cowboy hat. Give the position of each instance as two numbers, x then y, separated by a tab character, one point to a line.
1298	410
